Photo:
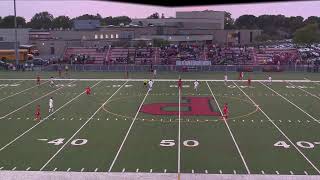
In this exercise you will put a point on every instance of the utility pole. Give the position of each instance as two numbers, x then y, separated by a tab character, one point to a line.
16	33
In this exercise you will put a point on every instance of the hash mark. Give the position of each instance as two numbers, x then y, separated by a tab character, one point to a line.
14	168
1	168
220	171
96	170
277	172
55	169
291	172
206	171
123	169
234	172
305	172
165	171
137	170
262	172
192	171
82	169
68	169
150	170
28	168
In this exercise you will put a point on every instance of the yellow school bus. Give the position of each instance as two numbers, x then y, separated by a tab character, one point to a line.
9	55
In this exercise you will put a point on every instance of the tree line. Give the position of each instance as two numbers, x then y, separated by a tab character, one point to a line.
274	27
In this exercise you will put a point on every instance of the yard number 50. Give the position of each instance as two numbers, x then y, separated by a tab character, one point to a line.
187	143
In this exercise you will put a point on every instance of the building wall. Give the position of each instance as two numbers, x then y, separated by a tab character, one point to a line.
8	35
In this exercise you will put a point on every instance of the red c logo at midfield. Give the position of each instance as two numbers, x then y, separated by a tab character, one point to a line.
198	106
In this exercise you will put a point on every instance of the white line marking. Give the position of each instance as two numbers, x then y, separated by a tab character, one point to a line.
206	171
305	172
82	169
305	91
81	127
28	168
44	119
14	168
291	172
231	134
220	171
277	172
305	157
125	138
291	103
2	99
30	103
55	169
1	168
165	171
234	172
123	170
150	170
96	170
68	169
137	170
179	135
262	172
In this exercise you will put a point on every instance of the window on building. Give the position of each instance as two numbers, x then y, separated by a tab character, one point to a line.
96	36
107	36
101	36
251	36
111	36
117	36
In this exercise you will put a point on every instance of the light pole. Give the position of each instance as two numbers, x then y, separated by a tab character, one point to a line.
15	33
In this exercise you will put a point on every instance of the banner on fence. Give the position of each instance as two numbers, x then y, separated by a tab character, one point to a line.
193	63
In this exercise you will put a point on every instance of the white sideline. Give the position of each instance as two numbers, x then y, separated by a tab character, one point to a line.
166	80
32	102
291	103
126	136
305	91
22	91
44	119
231	134
315	82
90	118
305	157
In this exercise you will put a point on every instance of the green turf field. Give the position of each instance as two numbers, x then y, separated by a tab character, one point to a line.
272	129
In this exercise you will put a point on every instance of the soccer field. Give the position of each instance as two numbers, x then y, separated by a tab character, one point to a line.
123	127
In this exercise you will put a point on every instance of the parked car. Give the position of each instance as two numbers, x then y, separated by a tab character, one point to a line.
38	62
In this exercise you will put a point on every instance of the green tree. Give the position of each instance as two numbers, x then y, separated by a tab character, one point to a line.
62	22
154	16
228	21
8	22
42	20
312	20
89	17
246	22
307	35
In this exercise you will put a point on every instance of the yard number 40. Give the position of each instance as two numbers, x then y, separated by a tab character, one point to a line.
187	143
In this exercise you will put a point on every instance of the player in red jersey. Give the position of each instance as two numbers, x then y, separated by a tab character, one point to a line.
225	111
241	75
180	84
88	90
249	81
38	80
37	113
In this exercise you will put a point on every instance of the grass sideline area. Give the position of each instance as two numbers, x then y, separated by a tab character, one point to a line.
124	128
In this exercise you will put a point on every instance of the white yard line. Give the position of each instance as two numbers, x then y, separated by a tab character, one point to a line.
231	134
32	102
303	155
2	99
291	103
305	91
18	137
173	80
127	134
179	136
66	143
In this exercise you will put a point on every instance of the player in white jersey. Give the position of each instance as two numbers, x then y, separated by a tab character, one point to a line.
154	73
225	79
51	82
150	83
269	80
50	105
196	85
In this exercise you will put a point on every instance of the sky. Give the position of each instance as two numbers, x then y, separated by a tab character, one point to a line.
73	8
